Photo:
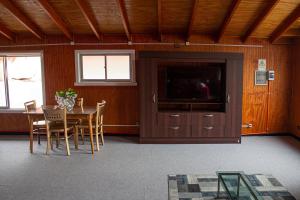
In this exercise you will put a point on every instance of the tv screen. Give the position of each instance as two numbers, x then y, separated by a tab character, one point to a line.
195	83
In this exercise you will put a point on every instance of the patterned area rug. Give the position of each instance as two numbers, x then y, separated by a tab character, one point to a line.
204	187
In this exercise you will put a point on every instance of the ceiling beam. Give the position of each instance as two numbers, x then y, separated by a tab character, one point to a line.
233	7
265	13
285	25
292	33
124	17
89	16
6	32
159	20
192	20
55	17
22	18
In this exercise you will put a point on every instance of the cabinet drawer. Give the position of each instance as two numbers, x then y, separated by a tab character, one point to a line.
208	124
173	119
211	131
209	119
174	131
174	125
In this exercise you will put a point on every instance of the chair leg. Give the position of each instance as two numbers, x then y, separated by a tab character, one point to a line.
57	140
76	137
82	135
67	143
51	142
101	133
39	137
48	142
97	139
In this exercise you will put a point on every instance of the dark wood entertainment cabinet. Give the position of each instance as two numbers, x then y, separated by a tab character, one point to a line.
164	121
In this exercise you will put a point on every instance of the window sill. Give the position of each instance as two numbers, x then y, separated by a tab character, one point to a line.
105	83
17	111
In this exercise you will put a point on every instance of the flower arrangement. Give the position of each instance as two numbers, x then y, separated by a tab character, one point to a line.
66	98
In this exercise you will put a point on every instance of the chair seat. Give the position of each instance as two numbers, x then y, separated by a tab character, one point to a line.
39	123
73	121
85	124
59	127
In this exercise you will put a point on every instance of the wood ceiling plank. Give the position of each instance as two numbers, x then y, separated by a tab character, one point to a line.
6	32
124	17
285	25
22	18
55	18
233	7
90	18
192	20
260	19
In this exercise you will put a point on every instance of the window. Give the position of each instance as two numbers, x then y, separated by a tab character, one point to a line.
20	80
105	67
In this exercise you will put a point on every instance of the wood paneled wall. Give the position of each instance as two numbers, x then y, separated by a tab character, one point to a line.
266	107
295	100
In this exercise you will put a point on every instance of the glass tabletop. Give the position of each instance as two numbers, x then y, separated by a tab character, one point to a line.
237	186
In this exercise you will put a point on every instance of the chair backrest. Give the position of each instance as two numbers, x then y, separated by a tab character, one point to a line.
79	102
55	114
100	111
30	105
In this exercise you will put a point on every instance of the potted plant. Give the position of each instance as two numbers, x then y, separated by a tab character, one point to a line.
66	98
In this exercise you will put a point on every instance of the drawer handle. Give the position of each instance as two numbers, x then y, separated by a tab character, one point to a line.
174	127
175	115
208	115
208	127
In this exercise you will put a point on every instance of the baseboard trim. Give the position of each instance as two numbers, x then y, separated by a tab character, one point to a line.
189	140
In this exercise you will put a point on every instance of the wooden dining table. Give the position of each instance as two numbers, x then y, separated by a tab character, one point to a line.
84	113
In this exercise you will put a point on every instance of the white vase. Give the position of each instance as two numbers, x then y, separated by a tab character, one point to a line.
67	102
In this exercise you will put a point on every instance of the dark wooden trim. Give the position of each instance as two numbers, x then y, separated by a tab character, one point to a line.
189	140
22	18
55	17
285	25
89	16
159	20
233	7
6	32
192	20
264	14
124	17
200	55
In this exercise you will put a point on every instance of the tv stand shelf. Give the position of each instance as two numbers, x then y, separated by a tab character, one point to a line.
191	106
211	114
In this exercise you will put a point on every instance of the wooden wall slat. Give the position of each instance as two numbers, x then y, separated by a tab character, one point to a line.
267	107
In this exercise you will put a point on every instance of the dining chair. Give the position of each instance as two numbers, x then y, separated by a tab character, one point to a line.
38	125
97	124
56	122
78	104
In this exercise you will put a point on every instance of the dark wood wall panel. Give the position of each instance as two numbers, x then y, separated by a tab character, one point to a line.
266	107
295	100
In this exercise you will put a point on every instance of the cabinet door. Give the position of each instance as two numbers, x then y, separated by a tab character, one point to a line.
208	124
148	96
174	125
234	84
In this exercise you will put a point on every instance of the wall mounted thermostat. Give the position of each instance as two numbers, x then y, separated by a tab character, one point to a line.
271	75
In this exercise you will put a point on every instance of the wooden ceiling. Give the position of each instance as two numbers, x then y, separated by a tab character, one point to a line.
271	19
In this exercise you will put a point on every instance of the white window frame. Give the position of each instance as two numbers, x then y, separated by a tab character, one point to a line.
104	82
7	109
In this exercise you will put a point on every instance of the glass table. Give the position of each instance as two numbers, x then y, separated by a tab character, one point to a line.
237	186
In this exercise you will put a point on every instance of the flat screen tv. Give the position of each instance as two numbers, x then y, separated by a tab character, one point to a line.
193	83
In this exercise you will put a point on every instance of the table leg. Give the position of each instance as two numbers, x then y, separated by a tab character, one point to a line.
91	133
31	135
